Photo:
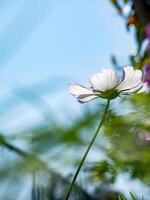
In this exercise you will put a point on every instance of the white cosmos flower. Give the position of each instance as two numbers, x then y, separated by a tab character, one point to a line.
107	85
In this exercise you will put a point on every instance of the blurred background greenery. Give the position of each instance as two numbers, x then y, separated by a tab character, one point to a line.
44	134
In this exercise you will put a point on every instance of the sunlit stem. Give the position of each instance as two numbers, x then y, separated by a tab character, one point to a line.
87	150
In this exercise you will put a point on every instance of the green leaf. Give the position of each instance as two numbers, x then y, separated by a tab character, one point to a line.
133	197
121	197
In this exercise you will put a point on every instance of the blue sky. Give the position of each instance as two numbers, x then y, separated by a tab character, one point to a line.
58	40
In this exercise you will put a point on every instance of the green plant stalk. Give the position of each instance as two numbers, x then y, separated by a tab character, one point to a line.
87	150
13	148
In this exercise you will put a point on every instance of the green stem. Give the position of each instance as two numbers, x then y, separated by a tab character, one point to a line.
87	151
11	147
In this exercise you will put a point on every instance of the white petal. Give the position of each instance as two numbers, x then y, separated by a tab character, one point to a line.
139	89
81	93
105	80
76	90
133	90
131	79
143	89
84	99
